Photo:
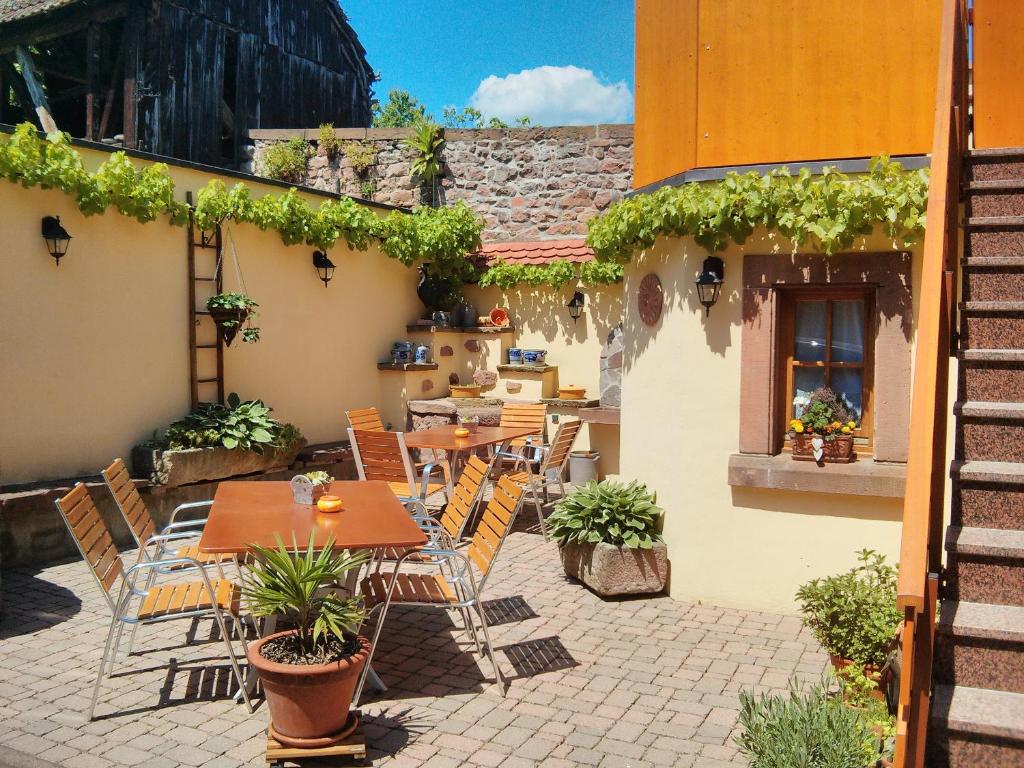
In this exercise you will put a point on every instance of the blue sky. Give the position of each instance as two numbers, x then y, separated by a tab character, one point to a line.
560	61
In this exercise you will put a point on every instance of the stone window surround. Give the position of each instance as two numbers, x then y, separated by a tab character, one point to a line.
763	275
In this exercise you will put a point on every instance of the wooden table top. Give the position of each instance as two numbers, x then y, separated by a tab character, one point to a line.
443	437
255	512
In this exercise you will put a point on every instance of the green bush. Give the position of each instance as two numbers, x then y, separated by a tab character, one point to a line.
854	614
328	141
362	155
804	730
608	512
286	160
246	426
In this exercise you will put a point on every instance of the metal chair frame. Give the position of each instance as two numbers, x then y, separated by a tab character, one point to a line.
456	568
120	614
553	459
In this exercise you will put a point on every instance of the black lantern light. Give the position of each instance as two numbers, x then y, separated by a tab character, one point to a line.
709	282
575	306
57	238
324	266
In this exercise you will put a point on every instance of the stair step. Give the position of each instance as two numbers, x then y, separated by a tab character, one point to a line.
982	409
1000	307
994	261
997	185
1002	472
984	222
979	711
985	542
993	355
996	153
982	621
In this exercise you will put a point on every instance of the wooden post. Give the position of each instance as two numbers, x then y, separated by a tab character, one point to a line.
134	27
35	88
20	91
92	77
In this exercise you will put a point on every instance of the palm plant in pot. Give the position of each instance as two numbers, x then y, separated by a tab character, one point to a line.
309	673
234	312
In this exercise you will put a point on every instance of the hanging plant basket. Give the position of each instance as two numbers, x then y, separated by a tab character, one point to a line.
229	322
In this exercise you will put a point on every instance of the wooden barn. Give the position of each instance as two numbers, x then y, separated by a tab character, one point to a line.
182	78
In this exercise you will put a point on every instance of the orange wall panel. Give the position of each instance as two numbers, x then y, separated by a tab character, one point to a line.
666	89
998	73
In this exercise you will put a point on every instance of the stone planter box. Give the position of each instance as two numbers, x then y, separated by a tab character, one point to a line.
611	570
194	465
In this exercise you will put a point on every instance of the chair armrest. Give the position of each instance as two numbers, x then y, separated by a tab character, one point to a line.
181	524
429	469
132	573
188	506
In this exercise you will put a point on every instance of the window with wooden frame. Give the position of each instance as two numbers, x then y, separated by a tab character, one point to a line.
826	339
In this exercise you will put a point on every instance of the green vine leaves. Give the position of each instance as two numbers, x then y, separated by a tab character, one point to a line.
443	236
828	211
556	274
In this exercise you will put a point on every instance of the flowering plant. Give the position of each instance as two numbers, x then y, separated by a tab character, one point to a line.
825	416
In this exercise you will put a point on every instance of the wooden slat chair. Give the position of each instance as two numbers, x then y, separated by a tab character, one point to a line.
551	470
525	415
201	597
453	585
365	419
154	545
384	456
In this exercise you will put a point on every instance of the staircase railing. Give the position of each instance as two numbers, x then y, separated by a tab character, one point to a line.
921	547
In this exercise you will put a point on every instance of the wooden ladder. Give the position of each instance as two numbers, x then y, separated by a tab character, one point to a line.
200	240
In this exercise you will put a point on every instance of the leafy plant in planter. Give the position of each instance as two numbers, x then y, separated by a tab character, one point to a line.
860	691
427	143
233	312
607	533
246	426
823	416
809	729
853	615
309	673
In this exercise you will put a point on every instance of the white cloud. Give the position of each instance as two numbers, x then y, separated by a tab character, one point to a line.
554	96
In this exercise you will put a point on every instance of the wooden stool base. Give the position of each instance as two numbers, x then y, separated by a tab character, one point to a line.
353	746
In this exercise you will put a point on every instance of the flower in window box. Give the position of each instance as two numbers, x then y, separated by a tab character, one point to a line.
826	420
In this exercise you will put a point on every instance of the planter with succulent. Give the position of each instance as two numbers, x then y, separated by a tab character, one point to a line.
824	431
309	673
234	312
307	488
607	534
853	615
216	441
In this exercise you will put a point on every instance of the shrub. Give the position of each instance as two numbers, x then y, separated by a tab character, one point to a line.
859	690
362	155
854	614
804	730
608	512
246	426
427	143
328	141
286	160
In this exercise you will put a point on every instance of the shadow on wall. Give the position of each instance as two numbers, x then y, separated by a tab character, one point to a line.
544	311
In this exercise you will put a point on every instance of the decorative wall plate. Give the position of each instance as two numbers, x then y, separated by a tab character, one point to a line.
651	298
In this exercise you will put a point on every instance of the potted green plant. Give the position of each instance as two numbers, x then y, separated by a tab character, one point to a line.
853	615
233	312
309	673
824	426
309	487
607	535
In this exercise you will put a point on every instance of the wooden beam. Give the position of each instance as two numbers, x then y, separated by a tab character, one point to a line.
115	74
35	89
39	30
20	91
92	77
134	29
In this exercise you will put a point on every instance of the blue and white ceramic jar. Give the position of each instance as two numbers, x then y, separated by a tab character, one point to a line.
534	356
515	356
422	354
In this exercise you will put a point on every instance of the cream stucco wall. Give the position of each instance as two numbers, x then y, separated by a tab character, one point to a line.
728	546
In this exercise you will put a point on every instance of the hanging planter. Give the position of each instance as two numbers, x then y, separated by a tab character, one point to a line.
234	312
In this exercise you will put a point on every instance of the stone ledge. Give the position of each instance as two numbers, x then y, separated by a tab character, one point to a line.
601	415
861	478
562	402
406	366
484	329
505	368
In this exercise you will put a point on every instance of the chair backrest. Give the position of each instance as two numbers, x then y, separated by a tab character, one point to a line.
495	523
382	456
91	535
524	415
464	497
129	502
562	445
367	419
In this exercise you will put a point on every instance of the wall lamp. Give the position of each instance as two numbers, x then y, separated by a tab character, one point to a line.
57	238
709	282
575	306
324	267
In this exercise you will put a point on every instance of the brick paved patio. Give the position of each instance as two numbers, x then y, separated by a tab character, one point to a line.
593	683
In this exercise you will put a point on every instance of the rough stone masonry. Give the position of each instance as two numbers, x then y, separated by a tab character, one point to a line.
527	183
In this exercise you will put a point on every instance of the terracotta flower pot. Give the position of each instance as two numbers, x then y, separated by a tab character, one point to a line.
223	315
309	703
838	451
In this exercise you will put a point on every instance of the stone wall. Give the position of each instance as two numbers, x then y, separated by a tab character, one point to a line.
527	183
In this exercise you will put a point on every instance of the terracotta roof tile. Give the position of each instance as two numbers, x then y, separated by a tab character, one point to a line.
536	252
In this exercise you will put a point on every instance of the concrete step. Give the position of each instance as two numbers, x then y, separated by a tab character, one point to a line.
995	236
996	198
990	431
985	565
975	727
980	409
992	324
996	185
995	165
992	374
995	222
994	278
980	645
1000	472
987	494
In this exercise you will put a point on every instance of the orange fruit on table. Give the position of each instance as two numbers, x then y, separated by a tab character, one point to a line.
461	432
329	503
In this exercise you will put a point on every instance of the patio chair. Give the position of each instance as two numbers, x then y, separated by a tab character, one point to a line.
143	526
551	470
366	419
202	597
384	456
452	585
